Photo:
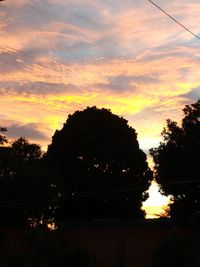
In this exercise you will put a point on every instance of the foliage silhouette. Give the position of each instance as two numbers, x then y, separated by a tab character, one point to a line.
3	138
97	151
177	163
14	158
24	177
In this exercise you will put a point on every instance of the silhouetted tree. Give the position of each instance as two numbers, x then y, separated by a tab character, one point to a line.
3	138
14	157
97	152
24	151
26	189
5	159
177	162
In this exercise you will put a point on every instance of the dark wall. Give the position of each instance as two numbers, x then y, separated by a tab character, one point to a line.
109	243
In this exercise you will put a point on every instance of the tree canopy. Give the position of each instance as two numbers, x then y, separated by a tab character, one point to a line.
16	155
177	162
26	191
98	153
3	138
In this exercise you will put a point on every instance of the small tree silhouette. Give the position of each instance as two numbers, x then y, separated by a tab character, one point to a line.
177	163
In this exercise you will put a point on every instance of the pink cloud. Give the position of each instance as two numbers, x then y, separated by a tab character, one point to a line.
59	56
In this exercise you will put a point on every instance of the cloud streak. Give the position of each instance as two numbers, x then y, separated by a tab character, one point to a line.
28	131
60	56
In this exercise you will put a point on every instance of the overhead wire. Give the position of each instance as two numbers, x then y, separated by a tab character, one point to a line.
175	20
88	194
72	195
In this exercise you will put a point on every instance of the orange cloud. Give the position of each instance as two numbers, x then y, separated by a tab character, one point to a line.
57	57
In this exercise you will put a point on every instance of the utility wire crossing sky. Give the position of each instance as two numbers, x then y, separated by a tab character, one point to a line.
180	24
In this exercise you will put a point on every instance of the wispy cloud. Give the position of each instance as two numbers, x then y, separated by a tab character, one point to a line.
28	131
57	56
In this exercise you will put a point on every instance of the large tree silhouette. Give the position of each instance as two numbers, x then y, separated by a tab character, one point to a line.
98	153
177	162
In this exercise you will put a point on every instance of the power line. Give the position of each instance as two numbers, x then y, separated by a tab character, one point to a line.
62	197
73	195
176	21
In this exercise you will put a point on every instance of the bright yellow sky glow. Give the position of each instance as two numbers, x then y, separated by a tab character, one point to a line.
156	204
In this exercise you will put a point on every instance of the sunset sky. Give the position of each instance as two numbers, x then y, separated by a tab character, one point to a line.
57	56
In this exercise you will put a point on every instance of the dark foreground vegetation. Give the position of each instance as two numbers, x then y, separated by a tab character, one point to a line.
177	164
100	162
94	171
94	168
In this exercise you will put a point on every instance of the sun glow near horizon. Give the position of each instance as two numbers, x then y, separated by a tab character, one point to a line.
156	205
